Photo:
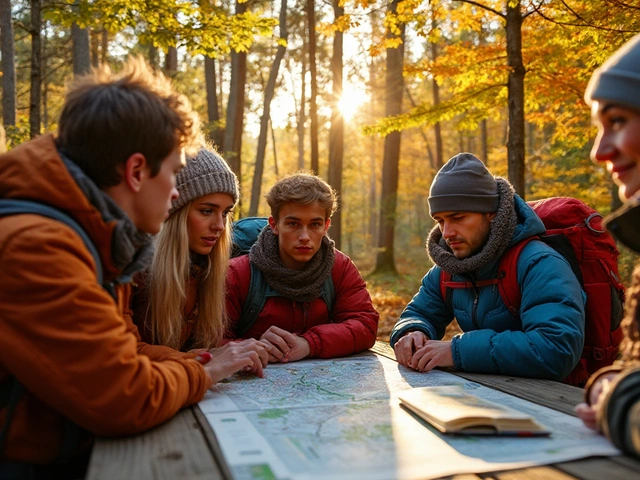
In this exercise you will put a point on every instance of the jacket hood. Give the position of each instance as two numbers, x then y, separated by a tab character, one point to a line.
35	171
529	224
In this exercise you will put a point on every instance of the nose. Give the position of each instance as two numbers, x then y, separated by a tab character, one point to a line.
174	194
603	148
218	223
304	235
447	230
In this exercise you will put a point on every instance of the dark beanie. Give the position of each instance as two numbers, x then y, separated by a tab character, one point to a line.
463	184
618	79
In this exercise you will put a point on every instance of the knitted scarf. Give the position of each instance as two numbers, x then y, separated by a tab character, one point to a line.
300	285
502	228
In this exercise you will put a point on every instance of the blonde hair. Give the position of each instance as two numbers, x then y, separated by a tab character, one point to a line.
167	286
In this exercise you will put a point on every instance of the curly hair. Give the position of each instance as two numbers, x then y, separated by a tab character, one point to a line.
631	324
302	188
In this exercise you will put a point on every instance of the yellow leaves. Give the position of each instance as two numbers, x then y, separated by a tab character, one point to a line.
341	24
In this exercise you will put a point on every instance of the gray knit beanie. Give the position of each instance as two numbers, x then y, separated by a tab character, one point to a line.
202	175
618	79
463	184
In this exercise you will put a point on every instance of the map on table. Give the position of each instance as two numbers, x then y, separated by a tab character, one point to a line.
341	419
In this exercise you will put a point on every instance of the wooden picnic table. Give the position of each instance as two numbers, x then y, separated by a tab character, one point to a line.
186	448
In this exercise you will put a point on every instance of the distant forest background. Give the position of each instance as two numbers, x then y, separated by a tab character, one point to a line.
374	96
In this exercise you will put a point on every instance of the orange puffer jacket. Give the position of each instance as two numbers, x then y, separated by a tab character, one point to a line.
62	336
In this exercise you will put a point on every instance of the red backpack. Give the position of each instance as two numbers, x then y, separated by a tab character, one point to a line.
575	231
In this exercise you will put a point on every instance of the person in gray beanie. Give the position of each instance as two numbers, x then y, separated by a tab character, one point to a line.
612	396
179	302
479	217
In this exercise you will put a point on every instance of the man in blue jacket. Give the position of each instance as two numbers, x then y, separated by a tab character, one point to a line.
479	217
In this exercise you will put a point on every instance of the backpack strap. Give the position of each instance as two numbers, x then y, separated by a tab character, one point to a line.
508	285
254	303
446	285
10	206
260	290
12	390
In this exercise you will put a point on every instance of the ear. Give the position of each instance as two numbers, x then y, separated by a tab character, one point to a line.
273	224
135	171
491	216
327	224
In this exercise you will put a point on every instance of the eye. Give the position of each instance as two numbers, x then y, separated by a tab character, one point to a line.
226	213
206	211
291	223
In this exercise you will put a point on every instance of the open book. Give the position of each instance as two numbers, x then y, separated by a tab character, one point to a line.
452	410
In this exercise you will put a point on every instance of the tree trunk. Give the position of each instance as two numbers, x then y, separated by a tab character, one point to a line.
266	112
313	107
437	130
104	46
171	62
274	150
336	131
36	78
81	50
485	141
235	107
213	111
394	83
516	139
302	117
153	56
7	49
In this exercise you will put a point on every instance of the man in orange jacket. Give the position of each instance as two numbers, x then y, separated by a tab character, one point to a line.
71	361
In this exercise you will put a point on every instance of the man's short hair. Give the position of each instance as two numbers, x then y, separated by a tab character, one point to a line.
304	189
108	117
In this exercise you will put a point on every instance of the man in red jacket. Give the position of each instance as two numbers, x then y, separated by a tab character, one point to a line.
317	304
71	361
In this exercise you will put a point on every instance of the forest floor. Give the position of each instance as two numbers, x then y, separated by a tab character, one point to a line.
391	293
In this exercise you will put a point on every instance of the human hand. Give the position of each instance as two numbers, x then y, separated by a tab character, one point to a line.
600	387
407	345
588	415
284	346
434	353
234	357
588	412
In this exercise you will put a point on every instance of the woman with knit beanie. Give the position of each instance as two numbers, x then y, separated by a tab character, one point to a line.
317	304
179	301
612	396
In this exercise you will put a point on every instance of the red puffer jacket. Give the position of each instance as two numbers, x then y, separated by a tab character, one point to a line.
350	328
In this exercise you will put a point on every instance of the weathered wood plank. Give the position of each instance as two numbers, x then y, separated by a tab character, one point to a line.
597	468
176	449
532	473
554	395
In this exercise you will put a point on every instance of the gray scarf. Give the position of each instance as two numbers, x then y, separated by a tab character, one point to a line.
131	249
300	285
502	230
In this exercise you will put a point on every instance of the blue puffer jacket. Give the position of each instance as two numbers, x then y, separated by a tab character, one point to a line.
545	341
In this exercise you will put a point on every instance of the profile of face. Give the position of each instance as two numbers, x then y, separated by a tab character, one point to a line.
618	145
155	194
465	232
206	220
300	229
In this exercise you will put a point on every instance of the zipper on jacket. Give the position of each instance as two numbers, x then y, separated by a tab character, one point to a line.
474	310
